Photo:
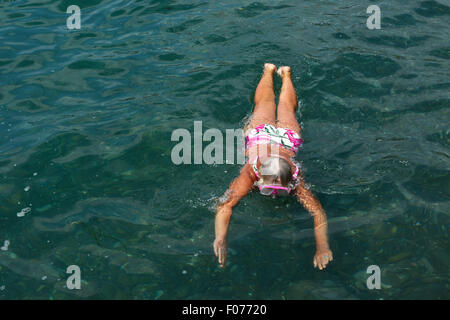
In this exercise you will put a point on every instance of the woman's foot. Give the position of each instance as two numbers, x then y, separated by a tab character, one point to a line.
269	67
284	71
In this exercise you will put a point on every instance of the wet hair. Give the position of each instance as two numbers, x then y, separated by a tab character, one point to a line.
274	169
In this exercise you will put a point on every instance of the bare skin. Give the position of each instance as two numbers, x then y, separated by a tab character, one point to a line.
264	113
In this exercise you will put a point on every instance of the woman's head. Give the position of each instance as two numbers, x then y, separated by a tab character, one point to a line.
276	170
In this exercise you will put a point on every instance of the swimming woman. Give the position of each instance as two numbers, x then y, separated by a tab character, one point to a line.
271	146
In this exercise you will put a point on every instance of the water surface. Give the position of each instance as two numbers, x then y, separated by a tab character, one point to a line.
86	118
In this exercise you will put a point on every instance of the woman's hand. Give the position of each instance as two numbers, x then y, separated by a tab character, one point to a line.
220	249
322	257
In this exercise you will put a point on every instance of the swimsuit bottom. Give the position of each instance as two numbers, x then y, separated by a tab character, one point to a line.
267	134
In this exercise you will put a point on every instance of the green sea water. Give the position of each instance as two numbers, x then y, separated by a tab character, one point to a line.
86	176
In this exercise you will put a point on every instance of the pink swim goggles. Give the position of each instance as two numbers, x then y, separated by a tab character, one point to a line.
268	190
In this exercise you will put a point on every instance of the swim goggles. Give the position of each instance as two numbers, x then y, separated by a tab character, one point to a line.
268	190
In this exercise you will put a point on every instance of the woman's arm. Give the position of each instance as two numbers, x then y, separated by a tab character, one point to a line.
309	201
238	189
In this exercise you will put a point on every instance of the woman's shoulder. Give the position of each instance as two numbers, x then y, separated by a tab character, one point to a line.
248	171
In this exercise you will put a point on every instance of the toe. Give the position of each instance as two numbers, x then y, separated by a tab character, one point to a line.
284	70
270	67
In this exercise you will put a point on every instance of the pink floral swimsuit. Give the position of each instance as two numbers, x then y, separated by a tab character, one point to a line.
266	134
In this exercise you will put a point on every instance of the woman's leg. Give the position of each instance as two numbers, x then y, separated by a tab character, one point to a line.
287	106
265	106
